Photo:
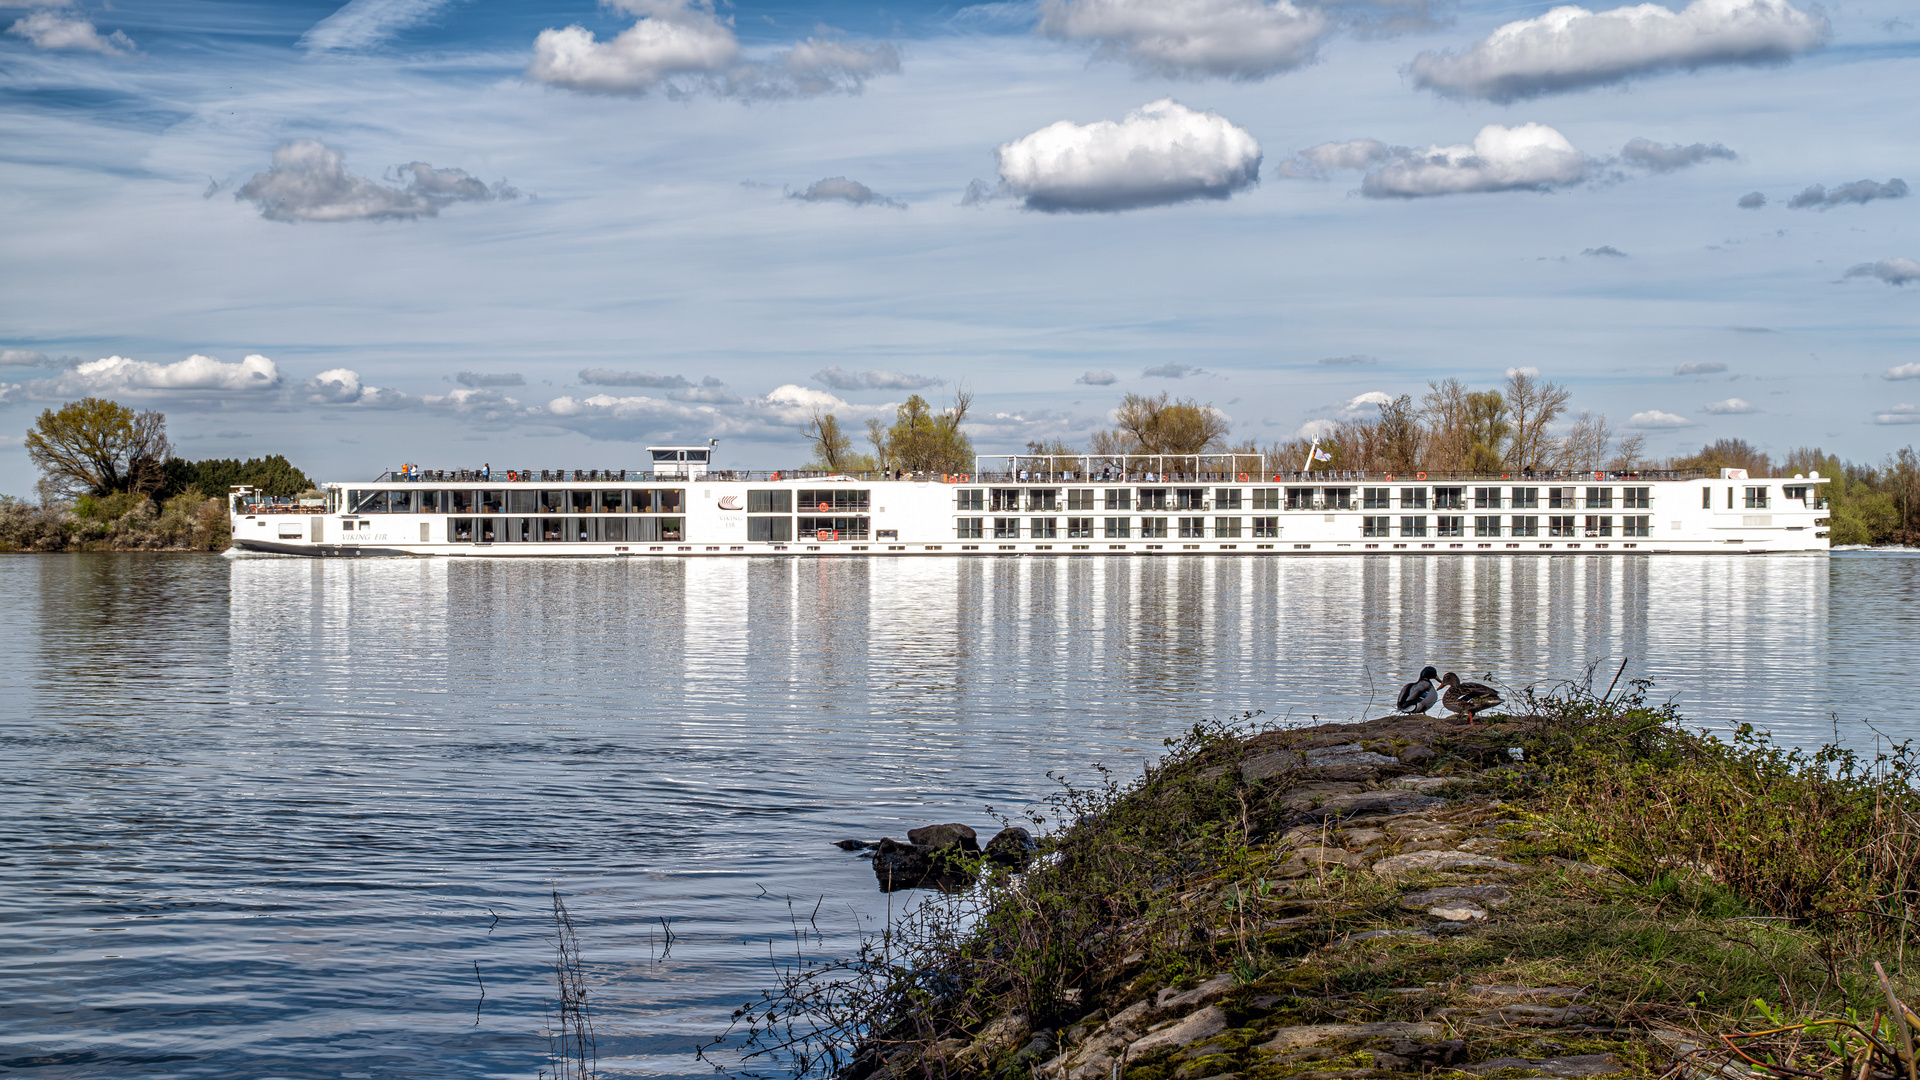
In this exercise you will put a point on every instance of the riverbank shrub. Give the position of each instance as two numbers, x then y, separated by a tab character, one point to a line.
188	521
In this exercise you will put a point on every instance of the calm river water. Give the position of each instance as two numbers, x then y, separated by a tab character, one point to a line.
279	818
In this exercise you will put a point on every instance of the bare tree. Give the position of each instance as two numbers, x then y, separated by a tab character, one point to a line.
1534	406
1449	436
831	446
1400	436
1586	446
1629	455
1155	425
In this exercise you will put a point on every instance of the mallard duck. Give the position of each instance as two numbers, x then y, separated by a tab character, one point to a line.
1467	698
1419	696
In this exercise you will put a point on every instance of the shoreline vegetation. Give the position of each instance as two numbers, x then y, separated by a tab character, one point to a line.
1585	888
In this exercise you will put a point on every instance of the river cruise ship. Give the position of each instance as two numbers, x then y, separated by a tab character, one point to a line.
1027	505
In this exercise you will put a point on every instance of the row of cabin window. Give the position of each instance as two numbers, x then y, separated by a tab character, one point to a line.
514	501
1044	500
1150	528
594	530
1518	525
1757	498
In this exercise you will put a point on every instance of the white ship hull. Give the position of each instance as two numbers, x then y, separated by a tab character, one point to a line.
647	515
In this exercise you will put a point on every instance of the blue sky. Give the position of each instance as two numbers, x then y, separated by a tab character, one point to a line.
447	238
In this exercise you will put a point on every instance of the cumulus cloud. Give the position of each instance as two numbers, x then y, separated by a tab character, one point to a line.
1572	48
309	181
117	374
1162	153
22	358
1699	367
683	46
1903	371
1232	39
362	24
1860	191
1667	157
344	386
1098	378
1317	429
1315	162
840	379
1529	157
1899	414
1529	371
1173	370
52	30
338	386
477	378
1752	200
1654	419
1356	360
1733	406
1365	404
844	190
1891	271
1607	251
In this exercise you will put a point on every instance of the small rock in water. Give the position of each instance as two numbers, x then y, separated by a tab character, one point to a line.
898	865
934	837
1012	846
854	845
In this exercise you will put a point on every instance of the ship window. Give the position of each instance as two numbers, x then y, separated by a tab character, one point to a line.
1118	528
1299	498
400	502
1043	528
1451	526
769	502
1526	526
461	529
1636	498
1266	526
1004	500
666	455
641	501
1560	526
1599	498
1706	498
1006	528
1079	528
1119	499
1376	526
611	502
834	500
580	502
580	529
1338	498
1228	527
1560	498
1639	525
1376	499
1080	499
1266	498
553	528
1413	499
1599	526
1756	499
367	502
1190	498
1413	526
523	502
696	455
1526	498
970	499
1153	528
1192	528
669	528
492	502
967	528
1047	499
1486	526
1153	499
1485	498
553	502
1226	498
775	530
613	528
1449	498
489	529
667	501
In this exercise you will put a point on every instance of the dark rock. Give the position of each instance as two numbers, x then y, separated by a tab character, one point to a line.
935	837
1012	846
854	845
898	865
1415	754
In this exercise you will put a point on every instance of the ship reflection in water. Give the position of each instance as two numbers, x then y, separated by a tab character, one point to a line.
263	812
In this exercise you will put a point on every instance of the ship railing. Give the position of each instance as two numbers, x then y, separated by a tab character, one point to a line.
1028	470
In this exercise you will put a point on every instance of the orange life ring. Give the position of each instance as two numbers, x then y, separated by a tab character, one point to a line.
824	507
964	478
1419	476
512	477
1243	478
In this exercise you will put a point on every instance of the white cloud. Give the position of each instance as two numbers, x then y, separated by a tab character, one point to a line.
1098	378
1903	371
1172	370
1234	39
1162	153
1752	200
117	374
480	378
1654	418
1899	414
337	386
343	386
309	181
1571	48
1733	406
1529	371
1664	157
1365	404
841	189
684	40
1891	271
1605	251
1860	191
362	24
50	30
840	379
1528	157
1317	429
1699	367
22	358
1316	161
